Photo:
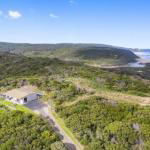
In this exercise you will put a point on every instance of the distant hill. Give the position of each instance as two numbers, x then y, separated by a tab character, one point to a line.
88	53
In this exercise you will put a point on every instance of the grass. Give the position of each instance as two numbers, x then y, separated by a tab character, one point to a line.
115	96
15	106
67	131
106	93
22	108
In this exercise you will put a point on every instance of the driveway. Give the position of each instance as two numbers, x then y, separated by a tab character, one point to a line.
43	110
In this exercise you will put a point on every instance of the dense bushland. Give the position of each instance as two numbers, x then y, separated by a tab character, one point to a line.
105	124
23	131
14	67
89	53
99	123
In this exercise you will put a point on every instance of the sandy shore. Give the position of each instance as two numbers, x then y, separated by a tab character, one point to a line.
139	63
143	61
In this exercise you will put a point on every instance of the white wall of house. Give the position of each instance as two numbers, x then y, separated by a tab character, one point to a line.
29	98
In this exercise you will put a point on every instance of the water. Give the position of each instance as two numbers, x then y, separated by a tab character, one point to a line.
136	65
143	55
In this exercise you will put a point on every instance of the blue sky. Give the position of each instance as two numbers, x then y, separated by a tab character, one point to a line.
116	22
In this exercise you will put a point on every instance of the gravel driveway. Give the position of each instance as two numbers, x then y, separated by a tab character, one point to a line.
43	110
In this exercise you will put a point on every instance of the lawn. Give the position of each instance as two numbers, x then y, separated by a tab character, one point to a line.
15	106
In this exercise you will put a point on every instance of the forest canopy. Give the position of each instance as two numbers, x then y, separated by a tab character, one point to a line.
25	131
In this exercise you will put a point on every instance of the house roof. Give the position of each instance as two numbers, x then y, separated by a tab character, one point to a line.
20	92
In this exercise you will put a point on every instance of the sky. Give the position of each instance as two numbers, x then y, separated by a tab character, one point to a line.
123	23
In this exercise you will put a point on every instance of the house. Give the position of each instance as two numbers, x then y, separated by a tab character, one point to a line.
21	95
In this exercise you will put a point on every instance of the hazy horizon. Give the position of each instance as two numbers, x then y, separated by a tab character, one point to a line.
73	43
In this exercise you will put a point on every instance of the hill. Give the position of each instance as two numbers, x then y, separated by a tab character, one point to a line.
103	109
87	53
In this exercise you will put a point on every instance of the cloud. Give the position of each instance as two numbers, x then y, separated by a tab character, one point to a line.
72	2
1	13
53	15
14	14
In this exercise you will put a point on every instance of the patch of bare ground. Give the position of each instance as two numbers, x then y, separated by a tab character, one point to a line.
110	95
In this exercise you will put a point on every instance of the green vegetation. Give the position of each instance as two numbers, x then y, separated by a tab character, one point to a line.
92	102
25	131
105	124
62	124
87	53
15	106
52	73
138	72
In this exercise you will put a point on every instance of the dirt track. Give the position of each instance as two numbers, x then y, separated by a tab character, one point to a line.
43	110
